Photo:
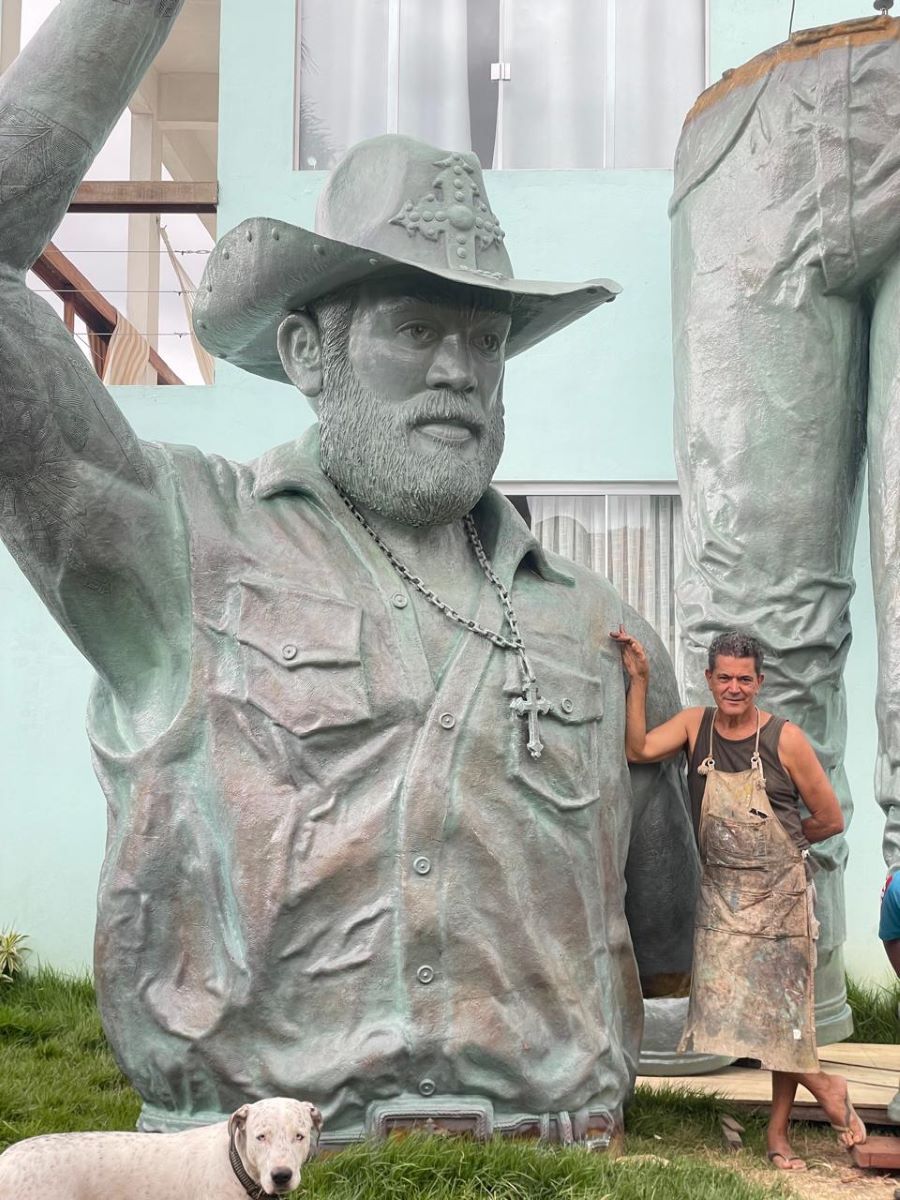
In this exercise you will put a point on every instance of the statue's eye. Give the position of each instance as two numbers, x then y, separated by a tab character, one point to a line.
418	331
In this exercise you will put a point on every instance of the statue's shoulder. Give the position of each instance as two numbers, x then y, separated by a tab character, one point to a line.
588	588
198	475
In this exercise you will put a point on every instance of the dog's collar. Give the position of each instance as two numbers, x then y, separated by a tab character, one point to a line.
250	1186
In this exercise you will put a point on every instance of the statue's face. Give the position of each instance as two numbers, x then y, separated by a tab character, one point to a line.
411	411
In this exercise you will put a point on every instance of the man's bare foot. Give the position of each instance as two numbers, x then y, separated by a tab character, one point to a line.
845	1120
780	1154
785	1162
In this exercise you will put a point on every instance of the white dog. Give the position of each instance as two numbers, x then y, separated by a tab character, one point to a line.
257	1152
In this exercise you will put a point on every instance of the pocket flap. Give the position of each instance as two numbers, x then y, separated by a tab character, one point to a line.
573	696
299	629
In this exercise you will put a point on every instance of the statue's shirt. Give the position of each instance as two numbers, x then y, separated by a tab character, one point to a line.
328	876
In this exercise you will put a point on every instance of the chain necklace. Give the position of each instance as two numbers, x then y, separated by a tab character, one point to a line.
530	705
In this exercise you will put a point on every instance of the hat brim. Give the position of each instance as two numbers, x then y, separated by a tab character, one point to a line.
264	269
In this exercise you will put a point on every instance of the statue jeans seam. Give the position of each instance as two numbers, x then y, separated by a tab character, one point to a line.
786	224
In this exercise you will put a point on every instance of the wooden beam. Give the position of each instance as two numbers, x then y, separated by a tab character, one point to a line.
145	196
80	298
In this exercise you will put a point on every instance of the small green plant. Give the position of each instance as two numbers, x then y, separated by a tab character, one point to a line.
12	954
875	1011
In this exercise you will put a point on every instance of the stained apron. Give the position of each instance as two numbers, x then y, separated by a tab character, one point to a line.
752	978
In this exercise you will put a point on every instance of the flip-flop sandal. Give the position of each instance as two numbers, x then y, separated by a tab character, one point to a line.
771	1155
853	1123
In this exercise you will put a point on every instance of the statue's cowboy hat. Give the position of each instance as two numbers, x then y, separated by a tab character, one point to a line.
393	203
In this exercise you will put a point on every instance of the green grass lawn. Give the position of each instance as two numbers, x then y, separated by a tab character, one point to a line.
56	1073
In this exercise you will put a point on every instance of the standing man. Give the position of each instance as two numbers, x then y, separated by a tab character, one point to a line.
754	943
369	807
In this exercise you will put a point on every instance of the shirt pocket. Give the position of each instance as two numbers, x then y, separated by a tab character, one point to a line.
302	658
568	772
731	843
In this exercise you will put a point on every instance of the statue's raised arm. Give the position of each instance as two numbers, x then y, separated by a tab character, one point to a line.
81	506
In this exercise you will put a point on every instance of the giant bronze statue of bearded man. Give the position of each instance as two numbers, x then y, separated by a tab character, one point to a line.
360	737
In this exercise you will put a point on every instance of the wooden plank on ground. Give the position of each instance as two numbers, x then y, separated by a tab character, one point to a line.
872	1073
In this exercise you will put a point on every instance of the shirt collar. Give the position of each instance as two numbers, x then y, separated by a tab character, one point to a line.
294	467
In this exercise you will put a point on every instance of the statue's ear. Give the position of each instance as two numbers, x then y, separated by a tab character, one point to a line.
300	351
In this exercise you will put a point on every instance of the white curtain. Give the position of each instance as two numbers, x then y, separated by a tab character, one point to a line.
660	71
346	60
598	83
554	104
635	541
434	72
645	558
573	526
593	83
343	77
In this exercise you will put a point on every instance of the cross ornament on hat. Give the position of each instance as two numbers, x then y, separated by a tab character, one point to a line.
455	207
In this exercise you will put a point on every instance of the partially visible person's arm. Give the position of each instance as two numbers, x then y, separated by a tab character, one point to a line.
889	925
799	760
642	746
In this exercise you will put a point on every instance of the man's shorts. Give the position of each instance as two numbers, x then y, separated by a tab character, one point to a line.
889	926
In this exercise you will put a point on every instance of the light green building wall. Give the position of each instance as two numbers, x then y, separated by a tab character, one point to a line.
593	404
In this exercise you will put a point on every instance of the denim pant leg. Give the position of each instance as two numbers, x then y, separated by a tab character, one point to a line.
770	373
884	509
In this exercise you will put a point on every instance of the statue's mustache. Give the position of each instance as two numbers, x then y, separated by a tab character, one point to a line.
443	406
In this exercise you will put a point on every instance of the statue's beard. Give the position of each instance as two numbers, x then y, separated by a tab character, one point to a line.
369	450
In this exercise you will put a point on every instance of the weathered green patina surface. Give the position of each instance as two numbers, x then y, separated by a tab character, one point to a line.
786	290
334	869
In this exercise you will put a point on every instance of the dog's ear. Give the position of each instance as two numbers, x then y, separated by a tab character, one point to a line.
238	1120
315	1116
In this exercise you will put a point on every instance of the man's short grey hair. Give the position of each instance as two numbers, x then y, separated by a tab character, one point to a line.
735	644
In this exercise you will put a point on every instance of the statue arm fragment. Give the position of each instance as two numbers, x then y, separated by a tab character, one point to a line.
663	867
81	507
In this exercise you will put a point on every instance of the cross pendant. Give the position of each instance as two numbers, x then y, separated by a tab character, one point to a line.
531	704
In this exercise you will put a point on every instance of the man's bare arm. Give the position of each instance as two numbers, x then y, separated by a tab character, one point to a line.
80	506
798	758
665	739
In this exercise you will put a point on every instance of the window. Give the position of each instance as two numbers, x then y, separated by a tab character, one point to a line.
633	538
523	83
122	280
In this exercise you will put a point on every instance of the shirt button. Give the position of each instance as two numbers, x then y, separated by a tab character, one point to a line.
399	600
422	865
425	974
289	652
566	705
427	1087
447	720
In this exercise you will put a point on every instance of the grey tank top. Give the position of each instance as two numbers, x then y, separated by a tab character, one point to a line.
734	755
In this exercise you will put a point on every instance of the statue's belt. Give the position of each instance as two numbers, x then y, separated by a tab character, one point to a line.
476	1119
468	1116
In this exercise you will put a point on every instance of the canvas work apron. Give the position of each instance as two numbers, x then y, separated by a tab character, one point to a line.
752	981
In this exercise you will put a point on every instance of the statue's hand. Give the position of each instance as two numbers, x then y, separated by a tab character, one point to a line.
634	656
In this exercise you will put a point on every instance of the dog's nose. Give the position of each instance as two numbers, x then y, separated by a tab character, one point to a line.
282	1176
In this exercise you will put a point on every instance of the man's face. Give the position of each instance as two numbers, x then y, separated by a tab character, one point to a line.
734	684
411	408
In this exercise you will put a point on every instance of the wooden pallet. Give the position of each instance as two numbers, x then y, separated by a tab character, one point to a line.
873	1073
